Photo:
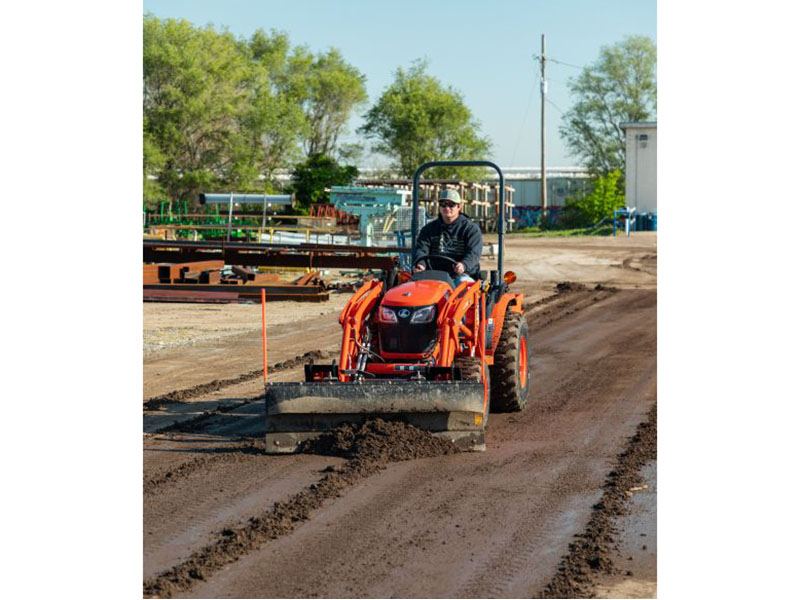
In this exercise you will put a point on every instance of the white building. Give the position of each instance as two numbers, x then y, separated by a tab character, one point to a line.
640	166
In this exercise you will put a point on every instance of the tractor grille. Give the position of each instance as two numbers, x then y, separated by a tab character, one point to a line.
404	338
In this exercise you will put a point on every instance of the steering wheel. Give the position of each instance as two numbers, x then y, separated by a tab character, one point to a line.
427	258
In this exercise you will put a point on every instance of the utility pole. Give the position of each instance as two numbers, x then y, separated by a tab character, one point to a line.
543	87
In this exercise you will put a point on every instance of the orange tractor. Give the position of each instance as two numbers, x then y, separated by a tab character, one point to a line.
419	348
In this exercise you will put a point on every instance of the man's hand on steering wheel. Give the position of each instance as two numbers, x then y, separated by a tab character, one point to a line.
424	262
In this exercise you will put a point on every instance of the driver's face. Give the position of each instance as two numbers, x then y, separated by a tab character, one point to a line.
449	211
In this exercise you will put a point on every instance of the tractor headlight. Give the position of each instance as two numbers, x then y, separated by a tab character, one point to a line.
424	314
387	315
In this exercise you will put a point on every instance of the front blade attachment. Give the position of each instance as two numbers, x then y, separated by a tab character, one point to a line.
298	411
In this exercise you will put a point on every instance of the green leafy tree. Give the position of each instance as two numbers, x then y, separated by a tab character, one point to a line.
619	87
274	120
311	177
333	89
417	119
600	203
222	112
194	96
152	163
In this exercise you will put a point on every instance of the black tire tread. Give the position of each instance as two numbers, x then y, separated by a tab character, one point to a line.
506	395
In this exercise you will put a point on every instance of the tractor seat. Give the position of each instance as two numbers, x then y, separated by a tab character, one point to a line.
433	275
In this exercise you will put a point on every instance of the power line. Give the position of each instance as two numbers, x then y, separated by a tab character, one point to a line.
558	108
559	62
524	120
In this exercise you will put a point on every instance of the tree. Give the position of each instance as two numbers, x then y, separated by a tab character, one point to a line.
333	90
222	112
274	120
194	95
600	203
310	178
417	119
619	87
152	163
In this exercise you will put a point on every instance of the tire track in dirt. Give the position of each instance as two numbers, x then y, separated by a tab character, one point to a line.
187	514
178	396
592	553
369	448
228	454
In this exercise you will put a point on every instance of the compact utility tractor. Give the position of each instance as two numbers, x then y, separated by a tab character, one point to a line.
418	348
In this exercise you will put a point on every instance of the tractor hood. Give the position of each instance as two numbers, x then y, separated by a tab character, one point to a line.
417	293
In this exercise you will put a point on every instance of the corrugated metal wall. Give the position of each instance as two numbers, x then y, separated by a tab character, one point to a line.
526	191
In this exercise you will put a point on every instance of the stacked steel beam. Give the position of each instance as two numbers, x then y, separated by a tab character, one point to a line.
179	271
314	256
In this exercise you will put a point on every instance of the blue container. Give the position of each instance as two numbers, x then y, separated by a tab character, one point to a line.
653	222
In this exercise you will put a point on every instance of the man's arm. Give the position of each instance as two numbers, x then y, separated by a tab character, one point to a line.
474	246
422	247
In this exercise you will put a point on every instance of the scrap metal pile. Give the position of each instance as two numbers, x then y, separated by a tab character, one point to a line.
221	272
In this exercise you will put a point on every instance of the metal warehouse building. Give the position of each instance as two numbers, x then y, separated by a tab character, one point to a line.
562	182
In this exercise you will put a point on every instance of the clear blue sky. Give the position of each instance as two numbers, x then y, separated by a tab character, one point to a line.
482	49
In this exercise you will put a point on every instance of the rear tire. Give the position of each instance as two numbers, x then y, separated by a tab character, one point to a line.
511	369
471	371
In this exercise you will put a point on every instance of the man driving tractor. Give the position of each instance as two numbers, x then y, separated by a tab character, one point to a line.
452	235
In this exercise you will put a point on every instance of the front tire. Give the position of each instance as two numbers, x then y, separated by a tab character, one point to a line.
511	369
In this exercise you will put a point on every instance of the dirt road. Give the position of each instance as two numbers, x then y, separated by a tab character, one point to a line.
493	524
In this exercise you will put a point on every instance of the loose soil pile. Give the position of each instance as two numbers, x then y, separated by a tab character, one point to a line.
569	286
593	553
369	448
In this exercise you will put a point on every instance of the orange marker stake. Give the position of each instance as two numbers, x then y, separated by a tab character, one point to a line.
264	330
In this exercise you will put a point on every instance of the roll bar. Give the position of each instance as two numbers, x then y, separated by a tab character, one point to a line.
462	163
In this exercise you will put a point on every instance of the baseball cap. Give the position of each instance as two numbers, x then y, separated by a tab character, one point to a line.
451	195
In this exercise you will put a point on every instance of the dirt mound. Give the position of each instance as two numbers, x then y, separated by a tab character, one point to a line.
378	441
369	448
594	549
569	286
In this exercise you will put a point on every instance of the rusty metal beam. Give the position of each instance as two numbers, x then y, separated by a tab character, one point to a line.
202	296
176	271
189	296
246	290
149	274
272	259
219	244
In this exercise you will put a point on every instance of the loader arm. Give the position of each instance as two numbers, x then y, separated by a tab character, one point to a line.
352	319
451	325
